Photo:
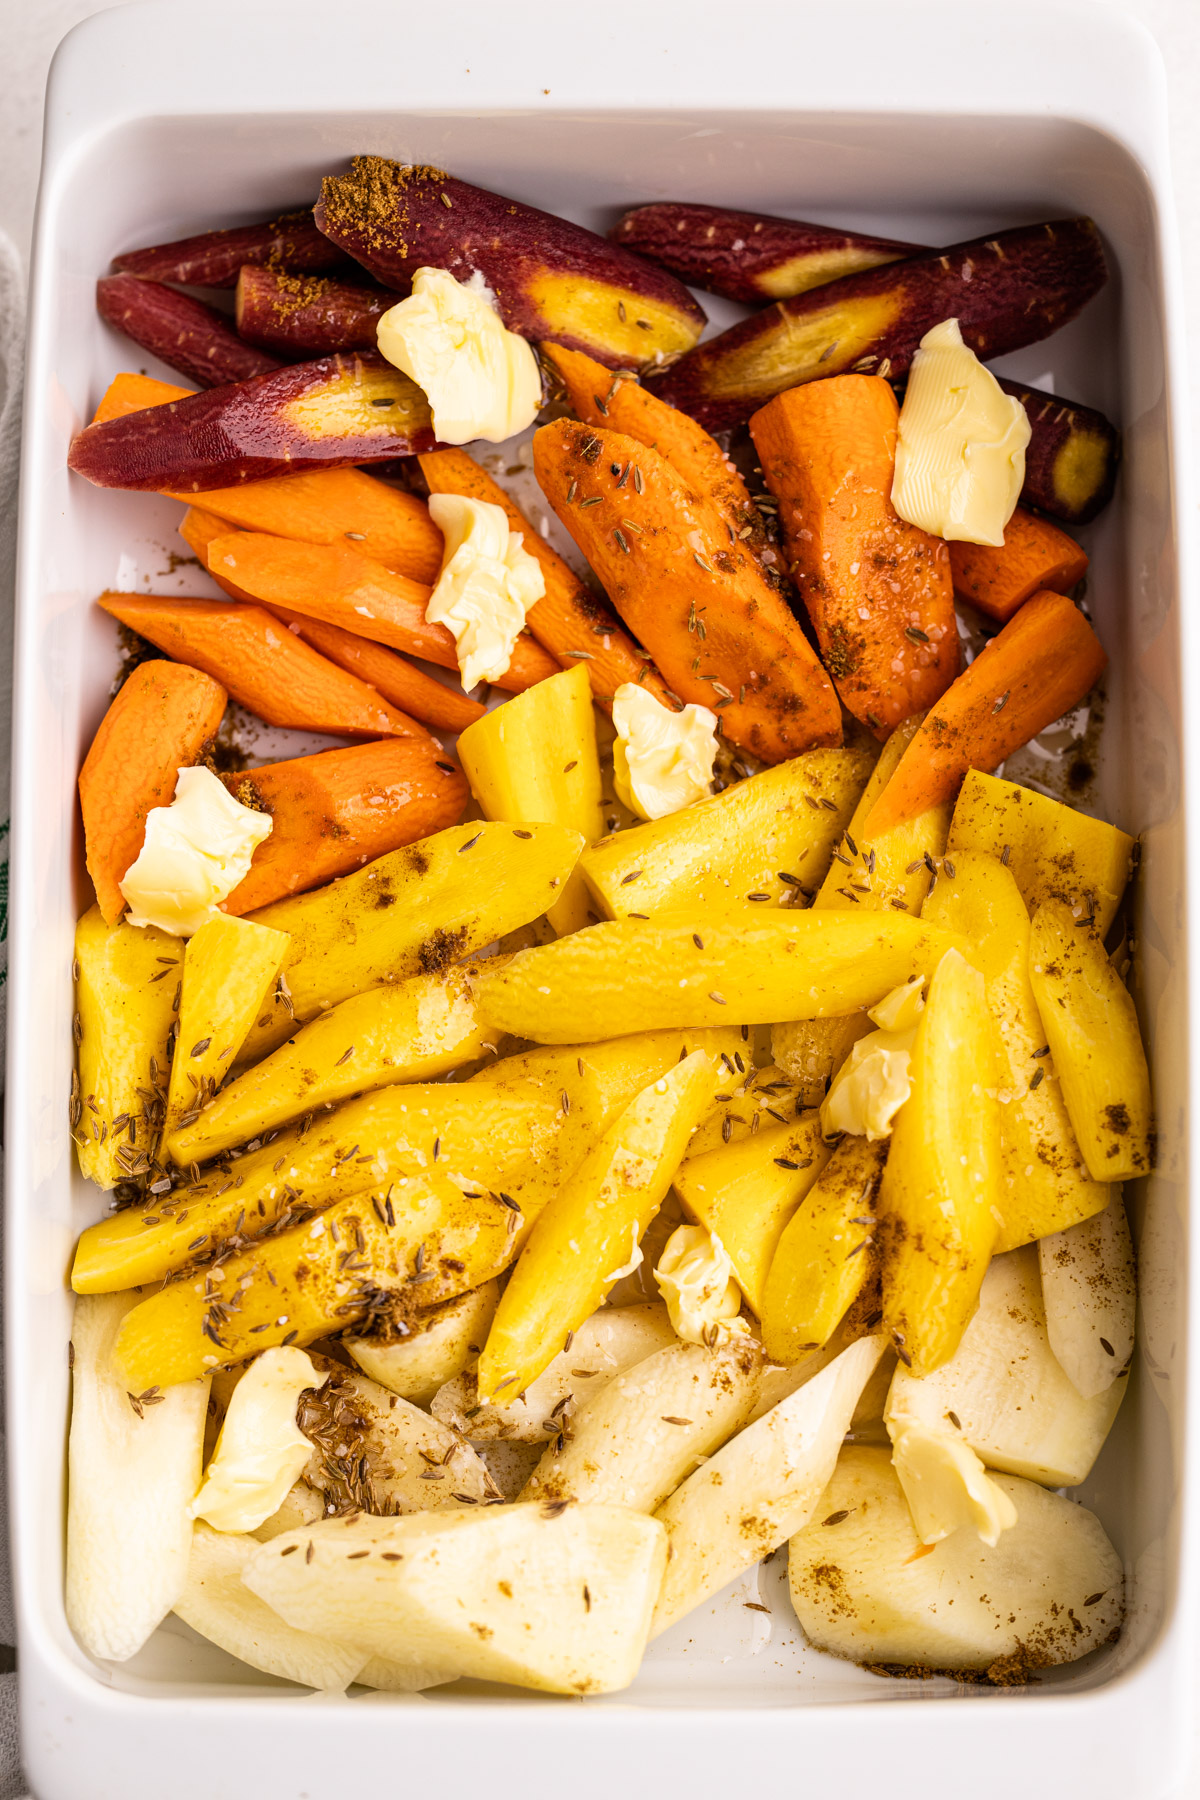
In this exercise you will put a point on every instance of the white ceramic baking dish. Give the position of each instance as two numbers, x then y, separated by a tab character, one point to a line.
923	120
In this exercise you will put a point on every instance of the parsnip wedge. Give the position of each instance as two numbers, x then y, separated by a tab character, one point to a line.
134	1465
1089	1289
301	1506
437	1349
864	1586
612	1340
217	1603
376	1451
648	1428
1003	1391
557	1598
761	1488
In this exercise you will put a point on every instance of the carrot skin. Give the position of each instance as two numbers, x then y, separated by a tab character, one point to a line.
749	256
1044	662
307	315
1035	555
877	589
570	621
158	723
319	414
1072	459
552	279
264	667
183	333
1007	290
213	258
720	634
340	809
399	681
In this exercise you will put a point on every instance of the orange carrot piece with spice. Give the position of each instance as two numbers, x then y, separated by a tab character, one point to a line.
877	589
719	632
335	583
1044	662
320	506
158	723
1035	555
263	665
409	688
340	809
621	403
569	620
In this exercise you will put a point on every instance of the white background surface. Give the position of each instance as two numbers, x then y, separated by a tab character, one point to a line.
30	29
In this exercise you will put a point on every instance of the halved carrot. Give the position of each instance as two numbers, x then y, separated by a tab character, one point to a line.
158	724
1045	661
335	583
571	621
720	634
336	811
322	506
264	666
877	589
393	676
1035	555
600	398
407	687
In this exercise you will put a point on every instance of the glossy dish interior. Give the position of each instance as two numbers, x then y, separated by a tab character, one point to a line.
926	178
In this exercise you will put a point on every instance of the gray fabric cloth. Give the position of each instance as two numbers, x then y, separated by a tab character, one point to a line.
12	346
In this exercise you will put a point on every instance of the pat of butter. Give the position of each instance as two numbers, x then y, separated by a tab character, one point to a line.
662	760
947	1487
488	583
871	1086
900	1010
960	446
481	379
261	1451
194	854
695	1278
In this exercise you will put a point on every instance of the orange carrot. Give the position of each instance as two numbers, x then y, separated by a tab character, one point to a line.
877	589
198	528
263	665
398	680
600	398
569	619
338	585
336	811
337	506
131	393
158	724
1035	555
697	599
323	506
1044	662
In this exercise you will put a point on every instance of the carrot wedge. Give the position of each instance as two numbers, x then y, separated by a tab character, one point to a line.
569	619
263	665
622	404
340	809
877	589
338	507
1044	662
158	724
721	635
327	581
320	506
1035	555
398	680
